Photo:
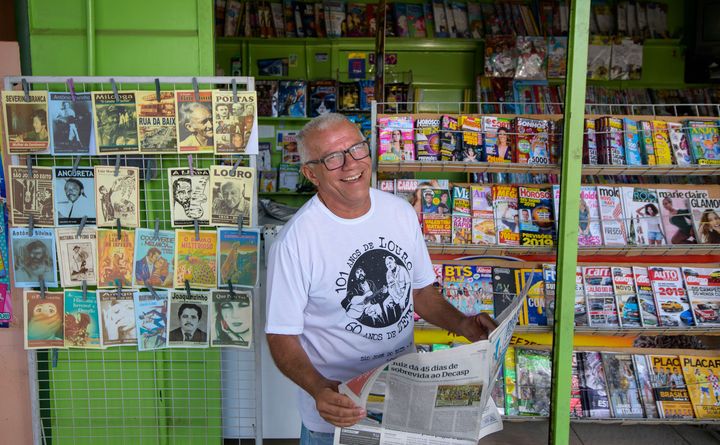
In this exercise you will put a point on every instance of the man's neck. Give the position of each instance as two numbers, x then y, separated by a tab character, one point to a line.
347	212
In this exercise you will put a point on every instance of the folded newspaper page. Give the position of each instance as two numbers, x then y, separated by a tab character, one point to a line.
441	397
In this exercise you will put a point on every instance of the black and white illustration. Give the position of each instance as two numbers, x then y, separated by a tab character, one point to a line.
77	256
232	195
71	124
117	196
74	196
190	195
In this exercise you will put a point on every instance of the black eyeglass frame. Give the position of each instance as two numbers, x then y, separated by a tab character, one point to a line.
347	151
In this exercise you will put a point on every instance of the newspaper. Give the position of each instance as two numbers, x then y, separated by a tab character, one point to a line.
433	398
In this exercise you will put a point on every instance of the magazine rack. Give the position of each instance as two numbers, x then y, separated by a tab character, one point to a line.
185	395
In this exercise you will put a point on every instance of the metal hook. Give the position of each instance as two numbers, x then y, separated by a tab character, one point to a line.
26	89
82	226
157	89
76	163
117	165
71	87
115	90
187	288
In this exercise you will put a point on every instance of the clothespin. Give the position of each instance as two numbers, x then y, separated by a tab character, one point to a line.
197	229
157	89
149	164
196	89
151	289
118	283
76	163
26	90
240	224
55	357
31	224
115	90
29	162
232	291
71	87
82	226
117	165
84	289
190	163
236	165
234	90
187	288
42	287
157	229
119	229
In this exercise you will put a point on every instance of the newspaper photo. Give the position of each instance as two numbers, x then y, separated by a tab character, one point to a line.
231	319
71	124
77	256
117	196
235	118
115	122
156	122
190	196
438	397
188	319
194	121
44	320
31	196
26	121
33	257
117	311
232	195
74	196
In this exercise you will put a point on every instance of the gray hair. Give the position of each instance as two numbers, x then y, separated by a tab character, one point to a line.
320	123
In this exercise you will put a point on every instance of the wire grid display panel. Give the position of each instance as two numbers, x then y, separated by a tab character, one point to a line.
121	395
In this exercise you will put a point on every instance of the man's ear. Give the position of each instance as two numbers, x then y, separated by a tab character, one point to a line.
309	174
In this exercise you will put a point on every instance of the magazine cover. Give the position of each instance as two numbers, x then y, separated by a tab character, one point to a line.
156	122
610	135
74	196
151	316
642	216
461	229
117	311
190	196
498	142
288	177
115	258
676	214
450	143
533	311
611	215
469	288
44	320
232	192
703	288
644	379
461	200
483	217
427	139
576	409
235	122
33	257
31	196
323	97
267	96
504	288
647	143
532	141
549	280
195	126
671	299
291	98
557	57
622	386
71	124
706	219
238	257
472	140
77	256
533	368
188	319
704	139
154	258
593	388
661	142
590	151
631	142
117	196
232	319
195	259
679	144
505	205
395	139
646	297
26	121
669	387
602	310
437	228
115	122
537	223
625	297
82	320
581	306
286	142
589	228
701	378
510	383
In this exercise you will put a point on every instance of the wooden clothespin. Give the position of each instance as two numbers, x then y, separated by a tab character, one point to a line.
240	224
196	223
156	235
157	89
117	165
26	89
43	288
29	164
76	163
187	288
234	90
196	88
230	286
190	163
31	224
149	164
82	226
71	88
118	283
119	229
115	90
84	289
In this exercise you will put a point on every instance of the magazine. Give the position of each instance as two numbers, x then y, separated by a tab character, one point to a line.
232	192
154	258
195	259
602	310
505	204
510	383
427	139
238	257
115	258
483	219
625	297
661	142
533	369
589	229
195	127
669	388
117	196
671	299
642	372
117	310
31	196
701	378
44	320
642	217
532	141
74	196
151	313
537	224
82	320
71	124
77	256
611	214
232	319
646	298
156	122
622	386
461	229
26	121
704	139
504	288
469	288
581	307
679	144
188	319
576	409
703	288
593	388
115	122
33	257
706	215
190	196
677	216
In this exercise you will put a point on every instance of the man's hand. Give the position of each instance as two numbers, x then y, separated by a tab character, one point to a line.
477	327
337	408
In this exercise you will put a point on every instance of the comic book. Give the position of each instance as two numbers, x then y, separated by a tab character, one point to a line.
644	380
291	98
669	388
450	142
472	140
235	119
504	288
661	142
589	229
71	124
632	142
533	312
679	144
593	388
461	229
505	206
705	213
82	320
232	193
646	298
532	141
77	256
115	258
611	215
190	190
625	297
557	57
267	97
701	379
469	288
533	368
154	258
549	280
703	288
437	228
704	139
117	311
195	126
323	97
238	257
115	121
622	386
427	139
499	143
671	299
74	196
647	142
31	195
156	122
537	223
26	121
44	320
676	214
33	256
117	196
395	139
642	216
195	259
510	383
576	409
232	319
602	310
483	217
188	316
590	151
151	313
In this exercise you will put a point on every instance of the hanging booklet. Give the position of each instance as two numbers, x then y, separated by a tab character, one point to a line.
156	122
154	258
43	320
232	195
115	122
194	120
71	124
190	196
117	196
151	315
74	196
26	121
33	257
195	259
232	319
188	319
238	257
115	258
235	122
82	320
117	310
78	256
31	196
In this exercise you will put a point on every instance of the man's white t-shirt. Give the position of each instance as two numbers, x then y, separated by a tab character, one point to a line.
346	324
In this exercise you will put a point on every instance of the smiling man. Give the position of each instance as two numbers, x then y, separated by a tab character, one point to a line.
316	334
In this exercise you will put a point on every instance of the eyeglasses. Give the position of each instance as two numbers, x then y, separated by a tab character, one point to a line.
336	159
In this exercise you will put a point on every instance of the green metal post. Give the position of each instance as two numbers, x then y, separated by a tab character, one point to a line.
90	25
569	207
